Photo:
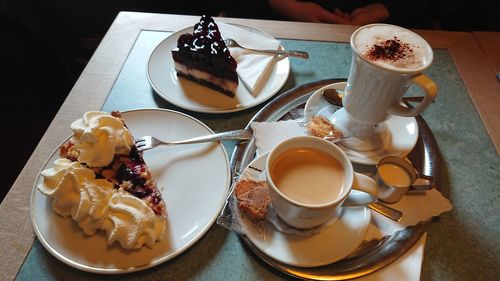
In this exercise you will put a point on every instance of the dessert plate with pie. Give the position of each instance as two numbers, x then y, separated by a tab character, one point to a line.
182	207
403	131
190	95
329	245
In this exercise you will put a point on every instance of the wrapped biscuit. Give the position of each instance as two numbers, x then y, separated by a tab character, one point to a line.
321	127
253	198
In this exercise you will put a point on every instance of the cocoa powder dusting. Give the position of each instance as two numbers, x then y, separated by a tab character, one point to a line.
391	49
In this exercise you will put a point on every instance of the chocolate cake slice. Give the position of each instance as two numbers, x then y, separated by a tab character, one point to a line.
204	58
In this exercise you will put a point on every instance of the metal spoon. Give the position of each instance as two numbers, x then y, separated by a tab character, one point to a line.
335	98
386	211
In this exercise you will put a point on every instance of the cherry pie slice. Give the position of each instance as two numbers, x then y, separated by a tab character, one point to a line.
126	171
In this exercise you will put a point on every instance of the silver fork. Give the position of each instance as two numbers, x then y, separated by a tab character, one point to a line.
149	142
299	54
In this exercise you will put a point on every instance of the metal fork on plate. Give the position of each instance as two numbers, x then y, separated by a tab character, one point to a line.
149	142
299	54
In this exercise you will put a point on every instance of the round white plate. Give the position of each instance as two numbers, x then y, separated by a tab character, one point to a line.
403	130
194	180
193	96
331	244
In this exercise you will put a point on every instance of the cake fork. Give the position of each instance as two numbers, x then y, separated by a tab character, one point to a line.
299	54
150	142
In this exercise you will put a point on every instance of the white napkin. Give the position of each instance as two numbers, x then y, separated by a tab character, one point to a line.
416	206
406	268
254	69
268	134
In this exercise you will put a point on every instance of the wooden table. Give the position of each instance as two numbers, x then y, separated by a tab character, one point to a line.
96	82
490	45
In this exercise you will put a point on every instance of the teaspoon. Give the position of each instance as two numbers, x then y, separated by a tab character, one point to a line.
386	211
335	98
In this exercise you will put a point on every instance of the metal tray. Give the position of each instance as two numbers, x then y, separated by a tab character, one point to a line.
370	256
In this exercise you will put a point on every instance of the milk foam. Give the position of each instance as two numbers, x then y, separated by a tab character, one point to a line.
418	54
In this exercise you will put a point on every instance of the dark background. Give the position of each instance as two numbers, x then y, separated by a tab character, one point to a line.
45	44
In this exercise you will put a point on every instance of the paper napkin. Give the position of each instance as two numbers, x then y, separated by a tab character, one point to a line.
254	69
406	268
417	207
268	134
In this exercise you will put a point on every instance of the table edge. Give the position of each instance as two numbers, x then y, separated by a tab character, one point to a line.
102	70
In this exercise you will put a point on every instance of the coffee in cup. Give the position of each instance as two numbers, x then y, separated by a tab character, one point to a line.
310	179
307	175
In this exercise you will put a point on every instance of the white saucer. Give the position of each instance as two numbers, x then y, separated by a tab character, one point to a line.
193	202
403	131
331	244
195	97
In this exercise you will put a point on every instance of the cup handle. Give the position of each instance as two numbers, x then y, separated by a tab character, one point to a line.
364	191
422	183
430	90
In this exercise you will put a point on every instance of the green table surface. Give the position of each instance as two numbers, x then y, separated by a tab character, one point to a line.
463	244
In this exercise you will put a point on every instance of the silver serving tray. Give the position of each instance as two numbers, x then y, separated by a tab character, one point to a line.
370	256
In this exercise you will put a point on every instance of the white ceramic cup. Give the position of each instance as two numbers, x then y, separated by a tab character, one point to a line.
396	176
376	85
356	189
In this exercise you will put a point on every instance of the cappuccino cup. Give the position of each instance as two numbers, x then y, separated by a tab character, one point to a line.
311	179
387	60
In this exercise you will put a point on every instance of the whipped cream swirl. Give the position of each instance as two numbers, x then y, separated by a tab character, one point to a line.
98	136
95	204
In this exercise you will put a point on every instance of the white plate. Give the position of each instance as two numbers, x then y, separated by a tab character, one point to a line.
403	130
192	96
194	181
331	244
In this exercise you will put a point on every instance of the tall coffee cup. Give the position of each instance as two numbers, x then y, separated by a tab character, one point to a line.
386	61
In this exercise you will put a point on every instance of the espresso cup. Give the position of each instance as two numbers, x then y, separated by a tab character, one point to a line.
311	179
396	176
387	60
